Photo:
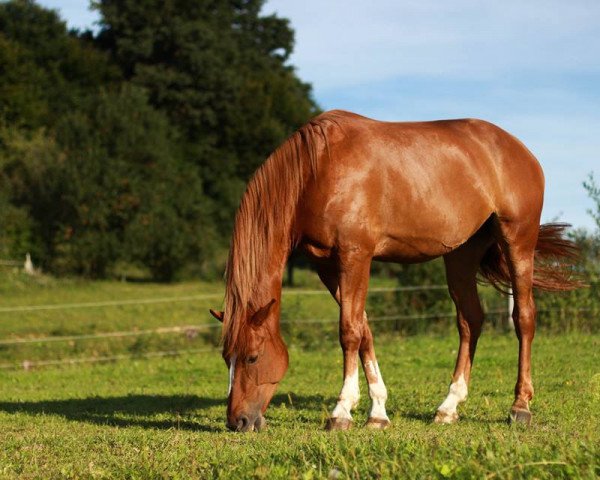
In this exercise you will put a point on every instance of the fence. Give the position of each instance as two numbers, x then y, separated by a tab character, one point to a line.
392	322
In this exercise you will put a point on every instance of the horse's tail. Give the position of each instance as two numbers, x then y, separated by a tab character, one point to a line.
555	256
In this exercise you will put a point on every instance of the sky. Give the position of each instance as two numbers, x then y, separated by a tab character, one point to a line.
531	67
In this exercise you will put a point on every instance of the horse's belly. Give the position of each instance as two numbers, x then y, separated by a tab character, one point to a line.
427	234
403	239
413	249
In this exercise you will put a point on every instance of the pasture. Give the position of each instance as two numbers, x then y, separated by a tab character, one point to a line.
164	417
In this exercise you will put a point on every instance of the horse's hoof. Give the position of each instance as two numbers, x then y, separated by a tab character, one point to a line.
520	416
378	423
338	424
445	417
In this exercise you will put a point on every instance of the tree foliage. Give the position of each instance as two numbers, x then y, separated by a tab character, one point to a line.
217	69
132	145
593	190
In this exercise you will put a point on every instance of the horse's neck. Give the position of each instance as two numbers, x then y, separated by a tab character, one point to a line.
263	237
260	280
269	283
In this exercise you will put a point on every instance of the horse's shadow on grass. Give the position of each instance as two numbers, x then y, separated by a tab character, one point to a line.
126	411
183	412
180	412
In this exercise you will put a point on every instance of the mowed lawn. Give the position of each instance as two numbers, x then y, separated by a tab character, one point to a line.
164	417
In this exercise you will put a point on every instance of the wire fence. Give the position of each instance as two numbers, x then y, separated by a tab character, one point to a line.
10	263
189	298
28	365
192	330
188	329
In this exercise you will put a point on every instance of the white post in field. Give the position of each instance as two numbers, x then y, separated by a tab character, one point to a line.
28	267
511	306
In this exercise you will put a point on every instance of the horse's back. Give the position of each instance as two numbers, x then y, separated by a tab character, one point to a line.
416	190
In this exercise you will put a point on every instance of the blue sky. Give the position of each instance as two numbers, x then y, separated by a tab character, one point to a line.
531	67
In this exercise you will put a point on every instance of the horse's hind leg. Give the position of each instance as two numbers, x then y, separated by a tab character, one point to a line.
341	417
461	270
518	241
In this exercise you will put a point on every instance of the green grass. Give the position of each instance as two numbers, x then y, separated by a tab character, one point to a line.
165	418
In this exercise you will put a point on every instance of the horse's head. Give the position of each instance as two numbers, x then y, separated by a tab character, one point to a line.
257	363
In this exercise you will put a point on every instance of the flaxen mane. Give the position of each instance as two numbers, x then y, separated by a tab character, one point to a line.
264	221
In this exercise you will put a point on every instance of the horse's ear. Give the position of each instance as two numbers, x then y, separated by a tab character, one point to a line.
217	315
261	315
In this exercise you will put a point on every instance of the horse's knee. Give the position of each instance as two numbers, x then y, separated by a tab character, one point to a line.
350	340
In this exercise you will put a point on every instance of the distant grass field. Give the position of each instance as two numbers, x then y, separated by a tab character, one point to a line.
164	417
179	304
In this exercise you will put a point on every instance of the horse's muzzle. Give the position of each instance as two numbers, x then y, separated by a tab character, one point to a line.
245	423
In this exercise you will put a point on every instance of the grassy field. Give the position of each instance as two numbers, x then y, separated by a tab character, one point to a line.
58	308
164	417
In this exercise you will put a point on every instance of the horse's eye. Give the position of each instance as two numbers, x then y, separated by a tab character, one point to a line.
251	359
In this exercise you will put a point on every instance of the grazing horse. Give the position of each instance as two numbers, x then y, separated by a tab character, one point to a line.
348	190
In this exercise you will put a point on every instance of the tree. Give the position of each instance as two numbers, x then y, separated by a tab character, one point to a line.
217	69
132	197
44	70
134	145
594	193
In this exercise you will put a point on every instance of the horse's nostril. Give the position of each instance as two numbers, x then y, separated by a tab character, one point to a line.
243	422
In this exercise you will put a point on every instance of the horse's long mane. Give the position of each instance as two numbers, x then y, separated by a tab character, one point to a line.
264	221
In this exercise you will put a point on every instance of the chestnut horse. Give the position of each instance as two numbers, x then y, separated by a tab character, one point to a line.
348	190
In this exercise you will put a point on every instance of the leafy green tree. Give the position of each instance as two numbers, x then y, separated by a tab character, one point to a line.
30	178
132	197
134	145
217	69
594	193
15	224
108	185
44	70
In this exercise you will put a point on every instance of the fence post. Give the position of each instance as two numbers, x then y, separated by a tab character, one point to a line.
28	265
511	305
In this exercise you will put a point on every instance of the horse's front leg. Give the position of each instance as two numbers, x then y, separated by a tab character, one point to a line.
378	418
353	284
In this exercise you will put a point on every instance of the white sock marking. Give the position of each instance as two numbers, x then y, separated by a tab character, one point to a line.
456	393
377	392
231	373
348	397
